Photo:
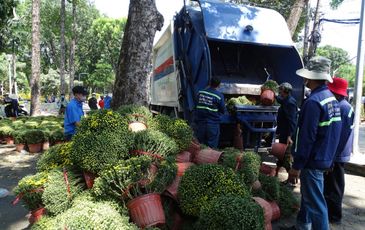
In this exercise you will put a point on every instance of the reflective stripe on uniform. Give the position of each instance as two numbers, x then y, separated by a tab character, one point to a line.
327	100
350	113
327	123
211	94
296	140
206	108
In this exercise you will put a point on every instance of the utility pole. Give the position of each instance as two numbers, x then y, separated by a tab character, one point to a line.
359	80
14	69
9	58
315	35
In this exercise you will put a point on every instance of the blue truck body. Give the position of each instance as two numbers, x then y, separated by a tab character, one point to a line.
243	45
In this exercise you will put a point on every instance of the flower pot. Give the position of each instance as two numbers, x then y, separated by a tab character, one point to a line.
136	126
267	97
171	190
45	145
9	140
268	168
36	215
207	156
35	148
19	147
268	226
278	150
147	211
184	156
266	207
194	147
275	210
89	179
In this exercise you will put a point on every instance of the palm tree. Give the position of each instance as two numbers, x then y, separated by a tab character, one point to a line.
36	61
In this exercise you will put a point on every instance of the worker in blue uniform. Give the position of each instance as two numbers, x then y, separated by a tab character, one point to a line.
207	116
74	112
317	138
334	179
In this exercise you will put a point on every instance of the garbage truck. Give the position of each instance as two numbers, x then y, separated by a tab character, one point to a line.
242	45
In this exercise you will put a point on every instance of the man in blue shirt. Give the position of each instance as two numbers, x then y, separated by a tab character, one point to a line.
74	112
210	106
107	101
334	180
317	137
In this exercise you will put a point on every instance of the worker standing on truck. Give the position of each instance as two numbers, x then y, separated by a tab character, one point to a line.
210	107
286	123
334	179
317	137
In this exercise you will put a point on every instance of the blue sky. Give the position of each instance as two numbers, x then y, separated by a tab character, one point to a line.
343	36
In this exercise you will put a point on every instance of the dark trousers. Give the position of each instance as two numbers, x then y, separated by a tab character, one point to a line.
208	133
334	187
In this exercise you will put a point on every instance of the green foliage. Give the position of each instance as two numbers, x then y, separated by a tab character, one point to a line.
231	213
34	136
131	178
248	164
136	113
30	189
18	124
31	124
56	134
270	187
203	183
154	142
270	85
57	156
288	203
19	136
45	223
102	78
6	130
232	102
92	151
177	129
58	194
337	56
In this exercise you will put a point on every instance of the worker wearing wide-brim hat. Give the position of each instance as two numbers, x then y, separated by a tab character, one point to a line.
334	180
317	137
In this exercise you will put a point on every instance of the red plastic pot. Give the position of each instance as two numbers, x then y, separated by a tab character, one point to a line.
171	191
9	140
35	148
278	150
19	147
266	207
207	156
268	168
147	211
89	179
184	156
45	145
36	215
194	147
275	210
267	97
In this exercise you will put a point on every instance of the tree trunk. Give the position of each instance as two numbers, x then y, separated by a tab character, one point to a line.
134	63
62	43
295	14
73	47
36	61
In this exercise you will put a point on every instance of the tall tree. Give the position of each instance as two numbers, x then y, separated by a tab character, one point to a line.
36	61
135	55
6	12
295	14
62	43
73	46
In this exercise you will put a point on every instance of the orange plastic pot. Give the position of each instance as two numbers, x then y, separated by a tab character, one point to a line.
89	179
147	211
45	145
171	190
266	207
36	215
184	156
194	147
268	168
35	148
9	140
267	97
278	150
207	156
19	147
275	210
